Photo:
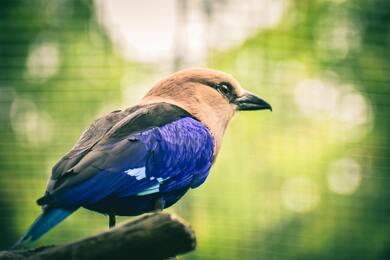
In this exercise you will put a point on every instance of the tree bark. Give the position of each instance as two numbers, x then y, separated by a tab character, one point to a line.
156	236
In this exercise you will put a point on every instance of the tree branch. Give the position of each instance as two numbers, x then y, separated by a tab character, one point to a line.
156	236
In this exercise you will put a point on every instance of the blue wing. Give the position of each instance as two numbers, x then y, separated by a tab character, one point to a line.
124	176
124	162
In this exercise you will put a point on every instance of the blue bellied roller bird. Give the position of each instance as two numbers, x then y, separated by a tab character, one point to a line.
145	157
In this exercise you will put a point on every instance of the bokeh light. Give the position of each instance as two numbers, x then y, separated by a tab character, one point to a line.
43	61
316	99
344	176
29	123
300	194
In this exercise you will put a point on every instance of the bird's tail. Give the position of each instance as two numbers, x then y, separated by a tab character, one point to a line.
46	221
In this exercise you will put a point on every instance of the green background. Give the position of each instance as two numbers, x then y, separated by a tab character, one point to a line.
307	181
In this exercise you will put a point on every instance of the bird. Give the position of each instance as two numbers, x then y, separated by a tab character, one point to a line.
146	157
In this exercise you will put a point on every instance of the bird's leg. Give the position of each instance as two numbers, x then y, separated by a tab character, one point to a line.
159	205
111	220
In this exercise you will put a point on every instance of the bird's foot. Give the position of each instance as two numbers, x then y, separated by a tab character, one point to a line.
111	220
159	205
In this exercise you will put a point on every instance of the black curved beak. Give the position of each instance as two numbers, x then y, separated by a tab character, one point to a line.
248	101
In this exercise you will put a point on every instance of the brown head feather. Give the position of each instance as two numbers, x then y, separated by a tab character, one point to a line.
192	90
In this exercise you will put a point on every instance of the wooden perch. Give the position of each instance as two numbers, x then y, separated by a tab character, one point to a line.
156	236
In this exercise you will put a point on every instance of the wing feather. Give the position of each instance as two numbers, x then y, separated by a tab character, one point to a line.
112	145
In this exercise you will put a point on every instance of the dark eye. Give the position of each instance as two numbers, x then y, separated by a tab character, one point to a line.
225	89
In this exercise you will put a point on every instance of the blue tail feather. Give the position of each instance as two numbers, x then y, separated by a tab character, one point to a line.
46	221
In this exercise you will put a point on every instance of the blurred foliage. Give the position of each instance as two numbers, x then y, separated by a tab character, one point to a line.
340	46
308	181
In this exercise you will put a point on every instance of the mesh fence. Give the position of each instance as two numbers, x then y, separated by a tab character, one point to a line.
308	181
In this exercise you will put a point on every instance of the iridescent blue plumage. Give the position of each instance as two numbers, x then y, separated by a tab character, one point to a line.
128	175
170	159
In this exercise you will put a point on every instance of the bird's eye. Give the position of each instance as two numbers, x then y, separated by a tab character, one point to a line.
224	89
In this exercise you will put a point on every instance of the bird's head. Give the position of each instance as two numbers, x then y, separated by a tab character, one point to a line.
210	96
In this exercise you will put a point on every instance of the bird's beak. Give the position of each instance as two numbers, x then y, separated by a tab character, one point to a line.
248	101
